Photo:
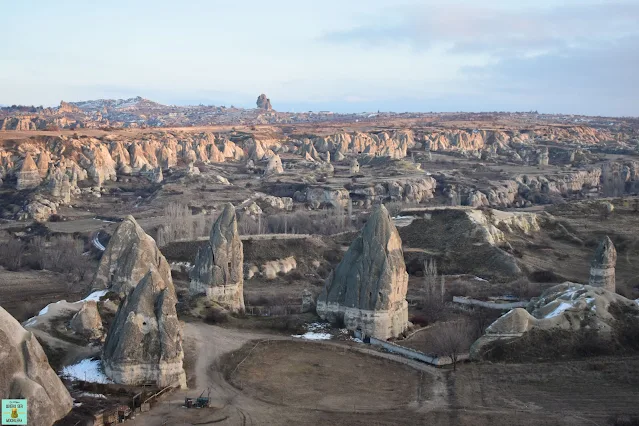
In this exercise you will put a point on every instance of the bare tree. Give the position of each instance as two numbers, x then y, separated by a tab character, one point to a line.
433	291
453	339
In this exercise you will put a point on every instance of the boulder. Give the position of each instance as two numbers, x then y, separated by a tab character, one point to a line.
127	259
144	343
87	321
367	290
26	374
218	270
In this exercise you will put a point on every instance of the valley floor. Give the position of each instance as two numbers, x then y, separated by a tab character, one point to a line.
280	387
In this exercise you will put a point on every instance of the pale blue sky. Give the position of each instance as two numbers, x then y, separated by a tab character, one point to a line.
340	55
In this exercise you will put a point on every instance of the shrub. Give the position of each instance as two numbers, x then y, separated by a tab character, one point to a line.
216	316
11	254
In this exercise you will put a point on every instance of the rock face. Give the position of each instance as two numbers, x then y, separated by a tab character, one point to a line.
26	374
127	259
602	267
144	343
567	306
29	174
218	270
368	288
87	321
263	102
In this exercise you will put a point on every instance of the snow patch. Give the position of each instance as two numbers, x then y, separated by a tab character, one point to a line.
91	395
310	335
315	331
88	370
559	310
95	296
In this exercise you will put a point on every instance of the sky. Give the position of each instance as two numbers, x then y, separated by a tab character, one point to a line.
579	57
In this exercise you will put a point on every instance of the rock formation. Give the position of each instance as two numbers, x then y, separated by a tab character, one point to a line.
354	167
26	374
368	288
602	267
144	343
218	270
263	102
127	259
29	174
565	307
274	166
43	163
87	321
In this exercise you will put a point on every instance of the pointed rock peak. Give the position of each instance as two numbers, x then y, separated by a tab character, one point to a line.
29	165
606	254
227	218
379	225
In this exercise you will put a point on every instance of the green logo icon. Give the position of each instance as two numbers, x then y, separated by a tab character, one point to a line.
14	412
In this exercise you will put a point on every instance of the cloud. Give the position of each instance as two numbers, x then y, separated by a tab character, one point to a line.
466	29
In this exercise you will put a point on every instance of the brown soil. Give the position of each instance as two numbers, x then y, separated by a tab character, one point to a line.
316	376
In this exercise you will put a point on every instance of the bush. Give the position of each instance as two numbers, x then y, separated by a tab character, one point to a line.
11	254
216	316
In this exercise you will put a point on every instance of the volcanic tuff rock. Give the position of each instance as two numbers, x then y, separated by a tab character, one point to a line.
29	174
26	374
218	270
568	306
368	288
274	166
127	259
144	343
87	321
602	267
263	102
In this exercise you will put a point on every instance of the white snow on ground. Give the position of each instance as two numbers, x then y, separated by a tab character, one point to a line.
559	309
315	331
87	370
96	295
310	335
92	395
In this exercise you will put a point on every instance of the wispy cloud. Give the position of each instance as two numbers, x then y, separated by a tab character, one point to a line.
465	29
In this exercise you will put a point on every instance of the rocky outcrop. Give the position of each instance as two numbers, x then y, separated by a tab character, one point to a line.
566	307
318	197
87	321
218	270
144	343
367	290
128	257
274	166
29	174
263	102
26	374
602	267
354	167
